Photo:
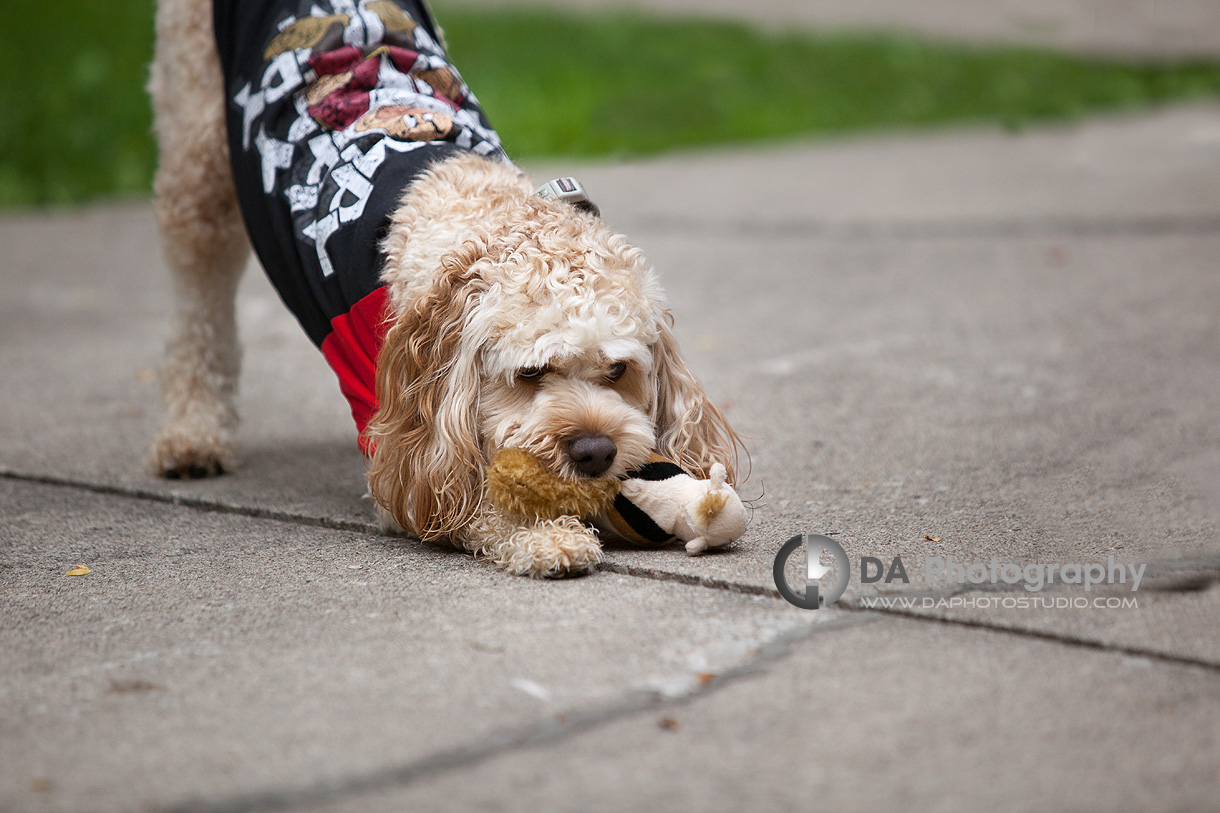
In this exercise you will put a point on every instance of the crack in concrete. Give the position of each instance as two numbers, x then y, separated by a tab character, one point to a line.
562	726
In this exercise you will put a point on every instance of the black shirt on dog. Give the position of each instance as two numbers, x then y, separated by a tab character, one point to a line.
333	107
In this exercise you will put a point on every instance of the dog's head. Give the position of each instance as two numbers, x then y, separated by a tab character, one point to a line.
544	331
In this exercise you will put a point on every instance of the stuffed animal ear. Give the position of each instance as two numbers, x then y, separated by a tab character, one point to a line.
427	467
690	429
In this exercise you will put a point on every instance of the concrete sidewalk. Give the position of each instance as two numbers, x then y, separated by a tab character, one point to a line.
971	345
967	345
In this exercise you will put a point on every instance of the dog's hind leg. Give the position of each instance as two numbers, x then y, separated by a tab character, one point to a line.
204	241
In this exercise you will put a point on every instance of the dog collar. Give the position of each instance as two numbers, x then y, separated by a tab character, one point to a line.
570	191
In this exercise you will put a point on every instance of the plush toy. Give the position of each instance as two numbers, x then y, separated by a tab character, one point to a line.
659	503
655	505
521	486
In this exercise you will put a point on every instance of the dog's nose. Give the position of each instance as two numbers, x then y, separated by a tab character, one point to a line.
592	454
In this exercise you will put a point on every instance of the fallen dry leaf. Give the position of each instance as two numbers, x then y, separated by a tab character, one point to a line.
669	723
931	538
79	570
129	686
705	677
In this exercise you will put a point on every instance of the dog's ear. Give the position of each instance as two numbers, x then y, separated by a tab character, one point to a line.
690	429
427	467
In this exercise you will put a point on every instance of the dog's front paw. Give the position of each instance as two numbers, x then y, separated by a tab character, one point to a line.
191	453
547	549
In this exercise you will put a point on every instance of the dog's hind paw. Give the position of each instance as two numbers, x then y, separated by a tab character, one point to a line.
181	456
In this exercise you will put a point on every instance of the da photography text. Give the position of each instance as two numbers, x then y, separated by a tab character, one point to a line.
1033	577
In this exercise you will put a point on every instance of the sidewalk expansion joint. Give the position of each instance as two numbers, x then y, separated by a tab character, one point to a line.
194	503
934	229
1058	638
1202	574
1206	571
688	579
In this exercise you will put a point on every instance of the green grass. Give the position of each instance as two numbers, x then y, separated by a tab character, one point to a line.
74	118
624	85
75	121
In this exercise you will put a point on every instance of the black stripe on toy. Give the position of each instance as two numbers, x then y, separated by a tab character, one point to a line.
640	522
657	470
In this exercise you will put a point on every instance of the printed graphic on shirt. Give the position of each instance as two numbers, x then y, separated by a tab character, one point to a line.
346	86
335	108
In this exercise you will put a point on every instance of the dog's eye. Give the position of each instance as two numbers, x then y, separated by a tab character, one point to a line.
616	371
531	375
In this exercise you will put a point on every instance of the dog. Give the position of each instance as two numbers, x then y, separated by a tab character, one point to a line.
463	312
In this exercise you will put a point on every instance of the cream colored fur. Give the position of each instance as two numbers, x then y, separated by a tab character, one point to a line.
487	280
204	241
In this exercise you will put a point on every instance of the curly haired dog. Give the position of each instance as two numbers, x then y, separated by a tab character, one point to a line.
495	318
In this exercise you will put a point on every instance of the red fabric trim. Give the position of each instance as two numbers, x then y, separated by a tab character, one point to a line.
351	351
